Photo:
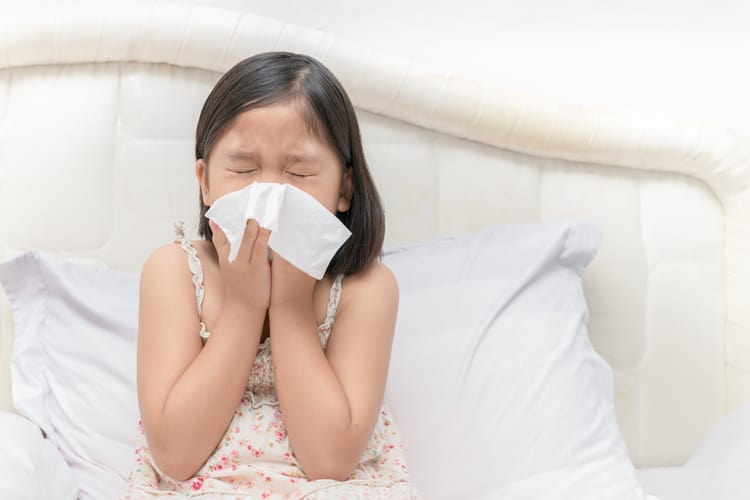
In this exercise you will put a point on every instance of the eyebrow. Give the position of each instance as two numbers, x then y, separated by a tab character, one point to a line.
288	158
299	158
243	155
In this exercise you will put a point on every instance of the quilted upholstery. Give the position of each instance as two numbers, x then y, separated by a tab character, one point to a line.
98	106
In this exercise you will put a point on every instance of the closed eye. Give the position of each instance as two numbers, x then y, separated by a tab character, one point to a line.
298	175
249	171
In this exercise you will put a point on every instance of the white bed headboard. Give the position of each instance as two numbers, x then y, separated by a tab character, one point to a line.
98	106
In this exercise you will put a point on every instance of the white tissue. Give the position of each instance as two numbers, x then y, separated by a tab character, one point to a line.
303	231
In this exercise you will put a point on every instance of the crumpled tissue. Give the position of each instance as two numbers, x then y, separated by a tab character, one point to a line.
303	231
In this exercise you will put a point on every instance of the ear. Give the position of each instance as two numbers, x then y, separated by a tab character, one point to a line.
201	172
347	190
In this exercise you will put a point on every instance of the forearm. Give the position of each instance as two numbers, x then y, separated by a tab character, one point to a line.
314	406
201	404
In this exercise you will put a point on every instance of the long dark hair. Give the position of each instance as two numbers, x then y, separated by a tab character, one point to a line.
274	77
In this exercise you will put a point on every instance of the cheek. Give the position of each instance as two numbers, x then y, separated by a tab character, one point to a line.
219	187
320	191
323	197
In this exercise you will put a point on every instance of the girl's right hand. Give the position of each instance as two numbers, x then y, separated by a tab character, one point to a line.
248	278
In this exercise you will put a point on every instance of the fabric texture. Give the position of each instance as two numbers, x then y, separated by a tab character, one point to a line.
255	459
494	320
73	363
719	469
507	376
31	467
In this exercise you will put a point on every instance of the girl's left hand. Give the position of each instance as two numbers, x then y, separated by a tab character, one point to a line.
289	285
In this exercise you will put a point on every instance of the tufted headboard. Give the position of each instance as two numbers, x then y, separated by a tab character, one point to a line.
98	106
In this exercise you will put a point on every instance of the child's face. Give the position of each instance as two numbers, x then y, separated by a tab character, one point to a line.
272	144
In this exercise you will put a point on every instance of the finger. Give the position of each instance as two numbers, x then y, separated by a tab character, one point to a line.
217	235
219	240
261	245
248	240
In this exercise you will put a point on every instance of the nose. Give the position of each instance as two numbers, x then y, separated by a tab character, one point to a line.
271	176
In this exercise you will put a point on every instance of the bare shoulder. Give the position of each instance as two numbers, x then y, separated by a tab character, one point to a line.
166	277
167	343
376	281
377	276
168	330
359	347
171	259
164	259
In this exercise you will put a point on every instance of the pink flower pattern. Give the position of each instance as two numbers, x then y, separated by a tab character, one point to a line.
254	459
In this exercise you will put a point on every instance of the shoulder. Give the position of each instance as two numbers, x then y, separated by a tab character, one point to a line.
166	282
172	257
377	276
167	266
377	280
165	259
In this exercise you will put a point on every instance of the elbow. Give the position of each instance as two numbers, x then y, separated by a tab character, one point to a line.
336	460
174	460
174	456
174	465
337	474
334	468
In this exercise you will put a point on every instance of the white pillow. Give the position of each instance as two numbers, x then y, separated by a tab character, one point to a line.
31	467
720	467
493	382
536	398
595	480
73	363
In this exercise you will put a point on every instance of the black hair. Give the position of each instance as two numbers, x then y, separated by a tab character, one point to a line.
274	77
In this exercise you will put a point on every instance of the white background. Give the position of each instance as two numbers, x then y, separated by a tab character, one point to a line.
689	58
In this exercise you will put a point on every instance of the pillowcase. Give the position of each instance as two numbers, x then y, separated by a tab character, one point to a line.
493	383
31	467
720	467
73	366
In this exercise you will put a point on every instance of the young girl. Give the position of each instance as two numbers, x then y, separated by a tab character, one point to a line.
246	388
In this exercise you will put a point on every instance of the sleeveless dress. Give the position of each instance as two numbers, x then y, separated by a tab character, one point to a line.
254	459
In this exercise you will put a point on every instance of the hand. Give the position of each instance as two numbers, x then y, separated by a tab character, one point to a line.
290	285
248	278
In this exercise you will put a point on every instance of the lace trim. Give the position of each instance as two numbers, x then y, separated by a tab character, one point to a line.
194	262
265	398
333	301
324	330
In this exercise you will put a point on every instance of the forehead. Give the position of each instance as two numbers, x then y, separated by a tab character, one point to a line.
279	123
271	131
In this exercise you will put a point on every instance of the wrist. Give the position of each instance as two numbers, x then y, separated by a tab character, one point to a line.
291	318
297	306
235	306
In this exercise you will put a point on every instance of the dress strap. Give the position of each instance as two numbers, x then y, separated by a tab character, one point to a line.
333	301
324	330
194	263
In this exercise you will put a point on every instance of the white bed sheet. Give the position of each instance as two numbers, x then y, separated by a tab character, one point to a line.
718	470
31	467
659	481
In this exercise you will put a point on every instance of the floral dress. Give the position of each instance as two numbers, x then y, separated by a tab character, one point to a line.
254	459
